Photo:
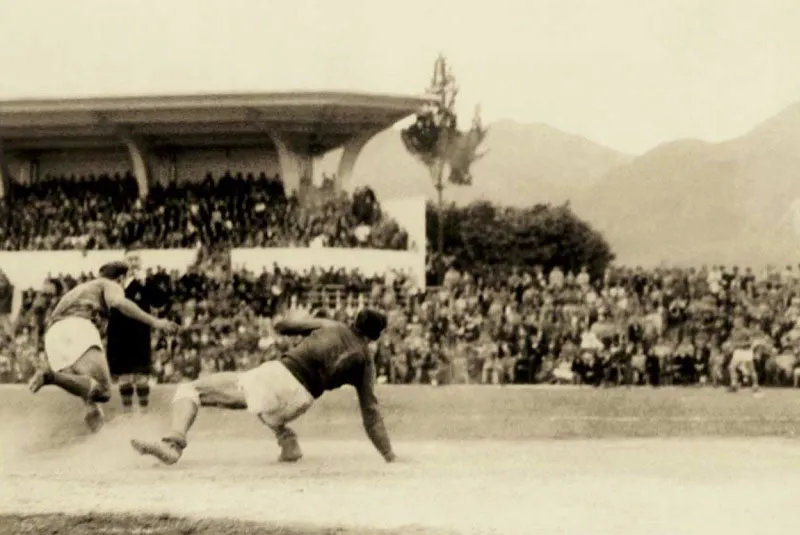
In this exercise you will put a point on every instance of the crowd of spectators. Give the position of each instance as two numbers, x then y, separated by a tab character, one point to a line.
225	314
105	212
632	326
493	325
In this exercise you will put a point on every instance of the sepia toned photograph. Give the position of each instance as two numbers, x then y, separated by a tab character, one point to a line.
399	268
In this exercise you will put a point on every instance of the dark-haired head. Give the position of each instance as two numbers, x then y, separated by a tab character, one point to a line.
114	270
370	323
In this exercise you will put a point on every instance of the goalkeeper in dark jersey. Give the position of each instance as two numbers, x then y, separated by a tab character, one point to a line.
330	356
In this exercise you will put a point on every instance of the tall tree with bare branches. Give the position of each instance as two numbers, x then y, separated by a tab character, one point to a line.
436	141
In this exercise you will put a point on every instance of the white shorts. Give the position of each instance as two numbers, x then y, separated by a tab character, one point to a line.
273	394
66	341
742	356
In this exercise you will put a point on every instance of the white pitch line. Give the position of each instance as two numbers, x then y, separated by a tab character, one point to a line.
692	419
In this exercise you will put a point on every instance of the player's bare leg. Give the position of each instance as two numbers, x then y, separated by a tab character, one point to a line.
88	379
80	386
751	369
215	390
95	365
733	371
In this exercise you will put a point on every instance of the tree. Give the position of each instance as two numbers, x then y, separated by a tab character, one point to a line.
435	140
482	235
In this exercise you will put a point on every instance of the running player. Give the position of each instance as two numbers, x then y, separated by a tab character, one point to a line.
330	356
75	356
742	340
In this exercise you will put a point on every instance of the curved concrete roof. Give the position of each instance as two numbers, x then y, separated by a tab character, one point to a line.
322	119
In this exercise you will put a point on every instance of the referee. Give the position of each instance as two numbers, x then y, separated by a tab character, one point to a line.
129	341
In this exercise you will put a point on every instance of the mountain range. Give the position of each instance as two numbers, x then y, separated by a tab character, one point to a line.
685	202
523	164
690	202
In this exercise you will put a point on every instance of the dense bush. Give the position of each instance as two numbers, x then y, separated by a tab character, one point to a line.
482	234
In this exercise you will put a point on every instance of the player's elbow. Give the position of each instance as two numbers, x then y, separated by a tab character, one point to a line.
115	302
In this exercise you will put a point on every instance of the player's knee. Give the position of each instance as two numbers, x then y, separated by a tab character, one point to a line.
187	391
125	379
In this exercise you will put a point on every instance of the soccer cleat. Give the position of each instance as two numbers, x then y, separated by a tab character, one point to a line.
94	419
290	451
162	450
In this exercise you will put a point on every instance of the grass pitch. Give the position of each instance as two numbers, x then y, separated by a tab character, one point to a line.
476	460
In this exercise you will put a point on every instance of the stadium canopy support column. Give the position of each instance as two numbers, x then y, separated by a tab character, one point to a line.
140	163
136	151
5	174
296	168
349	156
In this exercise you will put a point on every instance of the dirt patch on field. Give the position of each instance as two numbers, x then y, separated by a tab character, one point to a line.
600	487
523	470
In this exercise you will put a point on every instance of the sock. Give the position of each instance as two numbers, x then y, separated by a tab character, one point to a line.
284	434
287	440
126	392
143	393
184	412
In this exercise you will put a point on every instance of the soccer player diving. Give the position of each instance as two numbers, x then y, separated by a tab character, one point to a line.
330	355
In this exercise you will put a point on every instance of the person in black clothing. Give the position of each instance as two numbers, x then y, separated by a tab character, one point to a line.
10	305
129	341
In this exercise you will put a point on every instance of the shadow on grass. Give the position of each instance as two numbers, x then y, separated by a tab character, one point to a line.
110	524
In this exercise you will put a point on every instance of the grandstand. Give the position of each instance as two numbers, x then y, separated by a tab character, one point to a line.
176	176
219	197
245	148
176	138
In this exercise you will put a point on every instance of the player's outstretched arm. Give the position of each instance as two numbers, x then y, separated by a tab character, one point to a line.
115	298
371	414
300	326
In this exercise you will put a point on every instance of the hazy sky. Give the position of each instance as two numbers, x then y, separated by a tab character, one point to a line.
626	73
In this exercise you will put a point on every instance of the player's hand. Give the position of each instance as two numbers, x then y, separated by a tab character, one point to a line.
166	325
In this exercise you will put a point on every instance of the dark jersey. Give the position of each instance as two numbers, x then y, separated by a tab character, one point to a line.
329	358
741	338
6	297
332	355
86	300
139	294
128	346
